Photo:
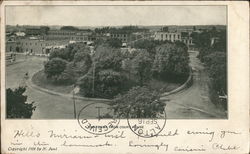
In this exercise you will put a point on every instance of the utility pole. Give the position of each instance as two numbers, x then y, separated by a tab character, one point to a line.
98	108
74	102
93	83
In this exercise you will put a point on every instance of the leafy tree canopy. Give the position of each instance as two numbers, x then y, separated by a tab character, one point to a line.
69	28
114	43
54	67
171	60
141	66
17	107
107	84
138	102
107	58
69	52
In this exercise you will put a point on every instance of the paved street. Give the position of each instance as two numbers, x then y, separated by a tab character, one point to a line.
48	106
191	103
194	102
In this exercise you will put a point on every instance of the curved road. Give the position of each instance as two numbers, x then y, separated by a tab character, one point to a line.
48	106
193	102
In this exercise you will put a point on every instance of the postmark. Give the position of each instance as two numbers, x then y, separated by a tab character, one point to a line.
149	127
101	123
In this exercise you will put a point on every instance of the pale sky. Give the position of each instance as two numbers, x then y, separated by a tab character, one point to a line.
115	15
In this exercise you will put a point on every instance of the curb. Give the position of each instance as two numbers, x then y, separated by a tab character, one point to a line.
187	84
32	85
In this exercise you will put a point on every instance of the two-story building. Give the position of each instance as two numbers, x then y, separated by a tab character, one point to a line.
174	36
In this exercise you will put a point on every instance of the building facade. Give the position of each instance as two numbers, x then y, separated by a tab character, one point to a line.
169	36
124	37
34	46
174	36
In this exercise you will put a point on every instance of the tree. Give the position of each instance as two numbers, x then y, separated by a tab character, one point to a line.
107	58
82	62
69	52
141	66
138	102
165	29
60	53
17	107
217	69
114	43
149	45
107	84
68	76
69	28
54	67
171	62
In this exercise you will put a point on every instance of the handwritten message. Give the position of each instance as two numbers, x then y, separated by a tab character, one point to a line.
174	140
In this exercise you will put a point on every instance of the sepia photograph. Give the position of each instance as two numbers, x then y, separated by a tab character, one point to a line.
124	77
64	62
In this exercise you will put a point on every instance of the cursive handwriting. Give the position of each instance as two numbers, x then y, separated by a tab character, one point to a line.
188	149
211	133
38	143
223	133
52	134
86	145
218	146
120	135
22	133
170	133
131	144
16	143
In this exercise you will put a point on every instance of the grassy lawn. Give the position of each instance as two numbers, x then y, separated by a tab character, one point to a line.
40	80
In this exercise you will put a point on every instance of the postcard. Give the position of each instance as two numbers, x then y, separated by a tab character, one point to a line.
124	77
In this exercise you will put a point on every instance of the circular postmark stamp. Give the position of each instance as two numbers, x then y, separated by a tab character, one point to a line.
97	118
149	127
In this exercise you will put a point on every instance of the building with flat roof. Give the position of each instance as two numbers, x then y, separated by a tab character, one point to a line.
124	37
78	36
174	36
33	46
